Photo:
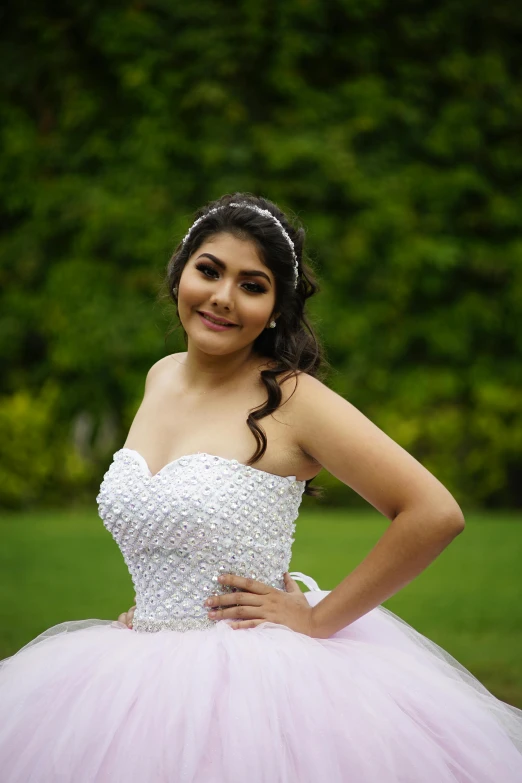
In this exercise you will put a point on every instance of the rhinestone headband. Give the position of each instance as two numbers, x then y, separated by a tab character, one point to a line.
265	213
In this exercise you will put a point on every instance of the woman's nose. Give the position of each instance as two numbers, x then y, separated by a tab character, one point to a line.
222	296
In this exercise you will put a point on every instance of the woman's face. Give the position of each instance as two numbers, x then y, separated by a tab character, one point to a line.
219	279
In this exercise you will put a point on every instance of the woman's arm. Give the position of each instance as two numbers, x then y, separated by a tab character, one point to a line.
424	516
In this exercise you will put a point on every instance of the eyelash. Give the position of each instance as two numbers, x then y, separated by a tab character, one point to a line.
206	267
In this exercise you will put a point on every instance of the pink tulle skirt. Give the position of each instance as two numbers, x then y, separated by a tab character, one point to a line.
95	702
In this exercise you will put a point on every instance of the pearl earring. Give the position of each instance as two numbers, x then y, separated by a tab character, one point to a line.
272	324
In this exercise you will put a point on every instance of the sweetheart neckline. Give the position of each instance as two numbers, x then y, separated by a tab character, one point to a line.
214	456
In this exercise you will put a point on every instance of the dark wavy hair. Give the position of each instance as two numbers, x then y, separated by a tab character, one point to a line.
292	345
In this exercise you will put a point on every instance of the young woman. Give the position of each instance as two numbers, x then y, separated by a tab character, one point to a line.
229	672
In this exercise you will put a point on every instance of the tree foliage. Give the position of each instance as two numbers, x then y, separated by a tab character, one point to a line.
391	128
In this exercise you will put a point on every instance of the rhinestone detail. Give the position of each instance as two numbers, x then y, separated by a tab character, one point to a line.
199	517
187	624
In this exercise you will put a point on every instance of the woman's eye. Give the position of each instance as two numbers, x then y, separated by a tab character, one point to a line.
205	268
255	288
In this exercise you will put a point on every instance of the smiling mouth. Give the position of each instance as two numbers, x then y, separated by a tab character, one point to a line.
214	321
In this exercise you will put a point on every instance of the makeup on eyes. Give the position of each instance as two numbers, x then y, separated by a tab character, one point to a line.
246	272
203	267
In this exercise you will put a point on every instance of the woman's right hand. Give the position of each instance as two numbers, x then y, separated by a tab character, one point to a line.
127	617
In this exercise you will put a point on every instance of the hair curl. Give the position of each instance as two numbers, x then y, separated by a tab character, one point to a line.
293	345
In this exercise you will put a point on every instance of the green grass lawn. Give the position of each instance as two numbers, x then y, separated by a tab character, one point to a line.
63	565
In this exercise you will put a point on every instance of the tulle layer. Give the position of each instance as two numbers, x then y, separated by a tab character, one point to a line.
95	702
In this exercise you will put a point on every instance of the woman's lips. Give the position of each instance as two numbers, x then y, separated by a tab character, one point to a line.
216	327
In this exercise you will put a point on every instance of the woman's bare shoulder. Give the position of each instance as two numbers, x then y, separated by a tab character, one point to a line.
163	369
298	384
361	455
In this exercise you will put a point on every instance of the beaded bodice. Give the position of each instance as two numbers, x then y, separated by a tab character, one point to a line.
198	517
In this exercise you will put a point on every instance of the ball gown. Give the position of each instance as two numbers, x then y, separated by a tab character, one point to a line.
180	698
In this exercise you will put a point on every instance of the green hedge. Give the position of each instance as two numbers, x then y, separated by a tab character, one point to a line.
391	128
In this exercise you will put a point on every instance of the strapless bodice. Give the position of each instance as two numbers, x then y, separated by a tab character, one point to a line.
200	516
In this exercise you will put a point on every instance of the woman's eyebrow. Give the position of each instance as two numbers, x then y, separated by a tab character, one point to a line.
249	272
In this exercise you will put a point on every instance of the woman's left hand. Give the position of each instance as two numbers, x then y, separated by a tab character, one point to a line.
127	618
261	603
